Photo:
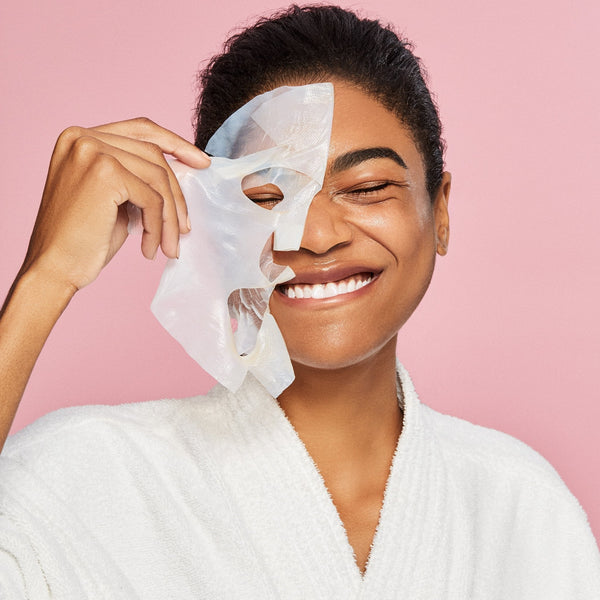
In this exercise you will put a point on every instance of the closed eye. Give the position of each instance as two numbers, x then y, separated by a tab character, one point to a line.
373	191
266	196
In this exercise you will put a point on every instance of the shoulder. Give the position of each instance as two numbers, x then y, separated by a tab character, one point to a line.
475	454
520	515
77	433
481	456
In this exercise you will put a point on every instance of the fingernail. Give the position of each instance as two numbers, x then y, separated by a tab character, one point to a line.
189	223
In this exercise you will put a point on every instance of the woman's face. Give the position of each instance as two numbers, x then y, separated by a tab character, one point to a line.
369	243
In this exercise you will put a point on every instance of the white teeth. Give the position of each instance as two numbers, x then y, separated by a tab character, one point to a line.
331	290
327	290
318	291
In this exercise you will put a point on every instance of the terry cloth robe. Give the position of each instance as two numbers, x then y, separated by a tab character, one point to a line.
217	497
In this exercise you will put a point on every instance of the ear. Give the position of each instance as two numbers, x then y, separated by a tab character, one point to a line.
441	216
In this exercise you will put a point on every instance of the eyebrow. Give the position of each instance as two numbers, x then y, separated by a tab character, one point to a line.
355	157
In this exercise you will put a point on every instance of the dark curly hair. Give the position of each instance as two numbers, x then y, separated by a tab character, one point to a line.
309	44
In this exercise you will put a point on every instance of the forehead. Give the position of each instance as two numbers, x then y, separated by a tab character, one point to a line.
360	121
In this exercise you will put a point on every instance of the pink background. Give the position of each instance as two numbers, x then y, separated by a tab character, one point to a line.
509	334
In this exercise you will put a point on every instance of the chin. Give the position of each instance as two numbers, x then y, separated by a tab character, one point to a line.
332	357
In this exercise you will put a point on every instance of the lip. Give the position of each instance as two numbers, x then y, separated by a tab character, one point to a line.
332	274
324	276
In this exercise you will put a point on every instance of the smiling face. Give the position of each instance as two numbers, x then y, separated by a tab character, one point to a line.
369	243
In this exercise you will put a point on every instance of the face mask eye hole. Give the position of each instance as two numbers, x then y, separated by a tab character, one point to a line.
263	193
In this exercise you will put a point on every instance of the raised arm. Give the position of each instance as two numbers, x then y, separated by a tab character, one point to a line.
81	224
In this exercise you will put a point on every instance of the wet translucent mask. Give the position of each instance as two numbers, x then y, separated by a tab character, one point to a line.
214	300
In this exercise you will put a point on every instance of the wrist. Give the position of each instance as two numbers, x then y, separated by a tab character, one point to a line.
40	293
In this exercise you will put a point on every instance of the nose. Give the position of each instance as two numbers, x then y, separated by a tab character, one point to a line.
326	226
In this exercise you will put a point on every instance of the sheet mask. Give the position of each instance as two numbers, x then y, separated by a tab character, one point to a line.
215	298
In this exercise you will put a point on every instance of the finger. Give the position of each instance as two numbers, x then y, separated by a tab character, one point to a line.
151	203
170	143
153	153
155	177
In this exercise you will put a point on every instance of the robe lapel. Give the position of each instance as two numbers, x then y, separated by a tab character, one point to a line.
295	528
285	506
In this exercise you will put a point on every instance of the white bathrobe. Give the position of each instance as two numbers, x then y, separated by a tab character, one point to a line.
217	497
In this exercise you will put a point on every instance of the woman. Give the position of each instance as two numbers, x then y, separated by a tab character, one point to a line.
345	485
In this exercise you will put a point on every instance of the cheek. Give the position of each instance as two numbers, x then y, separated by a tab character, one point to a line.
403	234
407	241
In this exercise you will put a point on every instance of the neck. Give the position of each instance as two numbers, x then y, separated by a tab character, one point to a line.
347	415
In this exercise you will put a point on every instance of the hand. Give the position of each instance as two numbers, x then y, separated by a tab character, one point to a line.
93	174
